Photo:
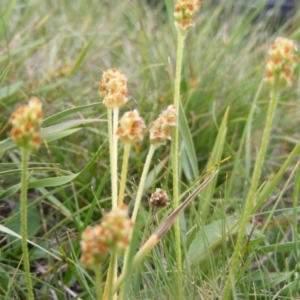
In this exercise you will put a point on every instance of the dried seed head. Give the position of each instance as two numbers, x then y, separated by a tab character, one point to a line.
160	130
184	13
281	62
113	88
26	121
131	128
159	198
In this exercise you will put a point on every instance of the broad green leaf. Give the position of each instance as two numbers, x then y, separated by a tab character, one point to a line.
33	225
209	237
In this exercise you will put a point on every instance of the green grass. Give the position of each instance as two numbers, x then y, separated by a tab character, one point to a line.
57	50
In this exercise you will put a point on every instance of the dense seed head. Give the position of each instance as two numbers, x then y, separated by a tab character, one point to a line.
159	198
160	130
26	122
184	13
281	62
131	128
113	88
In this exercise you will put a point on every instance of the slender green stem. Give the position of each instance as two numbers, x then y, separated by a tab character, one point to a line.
142	183
110	140
25	157
250	201
112	118
98	275
175	162
127	147
108	291
145	249
114	179
114	162
296	194
137	205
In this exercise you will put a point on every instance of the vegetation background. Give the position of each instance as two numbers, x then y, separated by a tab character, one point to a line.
57	50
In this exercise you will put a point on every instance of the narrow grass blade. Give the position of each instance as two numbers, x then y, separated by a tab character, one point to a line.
215	157
9	90
65	113
191	168
52	132
4	74
8	231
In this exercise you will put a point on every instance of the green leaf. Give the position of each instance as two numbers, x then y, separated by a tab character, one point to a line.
9	90
285	247
270	185
28	46
4	74
210	237
66	125
10	191
273	278
59	135
66	113
8	231
51	181
6	16
82	56
190	168
215	157
33	226
53	132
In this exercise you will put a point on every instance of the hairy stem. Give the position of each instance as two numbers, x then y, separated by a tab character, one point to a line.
175	162
114	162
110	279
98	280
25	157
137	205
127	147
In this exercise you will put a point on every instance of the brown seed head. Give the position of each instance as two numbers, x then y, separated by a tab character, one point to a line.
159	198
